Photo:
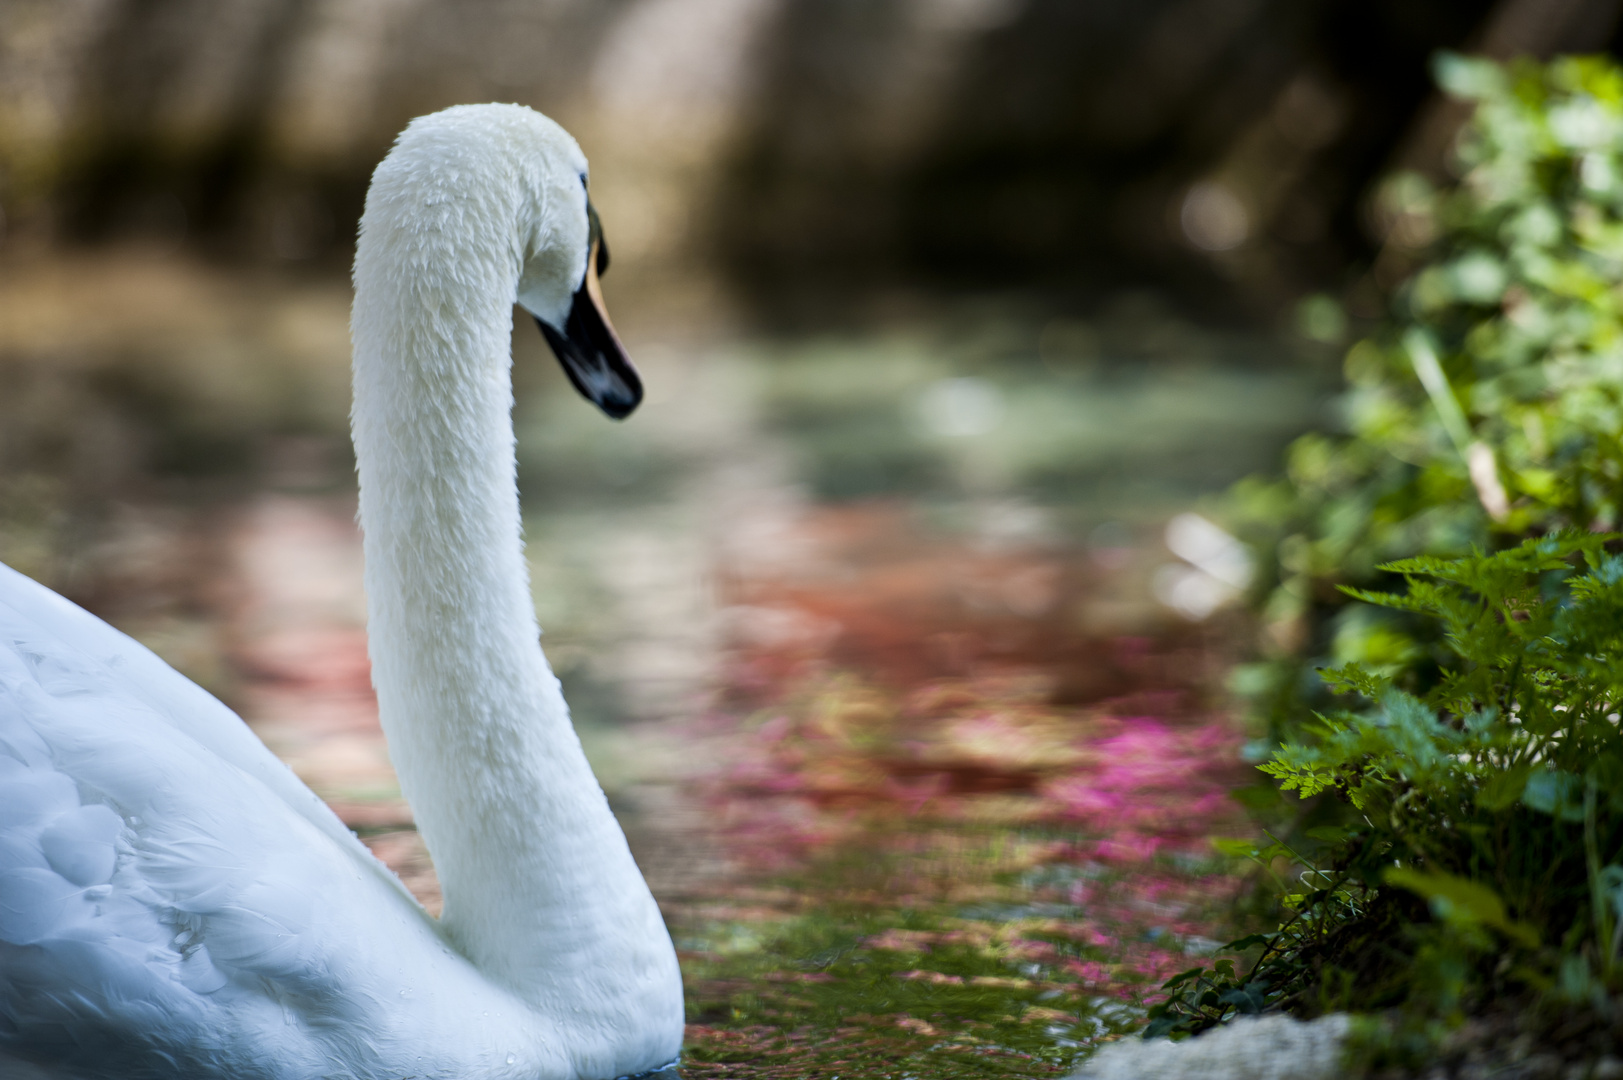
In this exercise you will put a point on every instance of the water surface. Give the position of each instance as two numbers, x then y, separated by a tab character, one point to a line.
860	628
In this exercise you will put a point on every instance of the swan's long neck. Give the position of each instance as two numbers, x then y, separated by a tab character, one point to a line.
540	890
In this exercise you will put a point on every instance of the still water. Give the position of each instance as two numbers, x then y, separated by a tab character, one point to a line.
867	631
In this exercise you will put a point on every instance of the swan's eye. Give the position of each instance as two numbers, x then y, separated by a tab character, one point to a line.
595	238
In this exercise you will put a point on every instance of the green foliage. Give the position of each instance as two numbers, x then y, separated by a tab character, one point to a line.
1495	797
1204	997
1490	405
1459	834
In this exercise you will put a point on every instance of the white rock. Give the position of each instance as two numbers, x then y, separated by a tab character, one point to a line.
1248	1048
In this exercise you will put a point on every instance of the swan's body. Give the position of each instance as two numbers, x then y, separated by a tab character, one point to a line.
175	903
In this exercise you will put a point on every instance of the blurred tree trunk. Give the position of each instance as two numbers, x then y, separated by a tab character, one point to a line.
802	144
174	108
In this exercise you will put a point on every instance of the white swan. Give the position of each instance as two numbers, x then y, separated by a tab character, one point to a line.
174	903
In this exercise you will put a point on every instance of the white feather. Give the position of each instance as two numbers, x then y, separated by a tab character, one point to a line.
174	902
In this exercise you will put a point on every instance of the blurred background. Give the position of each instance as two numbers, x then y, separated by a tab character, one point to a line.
954	304
1219	151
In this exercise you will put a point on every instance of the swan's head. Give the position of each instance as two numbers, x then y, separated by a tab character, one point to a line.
564	255
473	193
559	287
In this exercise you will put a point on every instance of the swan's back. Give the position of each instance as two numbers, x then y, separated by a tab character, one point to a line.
173	901
111	659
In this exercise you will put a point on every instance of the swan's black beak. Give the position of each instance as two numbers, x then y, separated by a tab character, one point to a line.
587	346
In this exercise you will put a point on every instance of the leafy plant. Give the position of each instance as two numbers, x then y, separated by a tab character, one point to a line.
1478	849
1460	830
1203	997
1489	406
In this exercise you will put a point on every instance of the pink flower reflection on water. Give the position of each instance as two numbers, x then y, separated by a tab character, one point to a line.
1150	785
929	751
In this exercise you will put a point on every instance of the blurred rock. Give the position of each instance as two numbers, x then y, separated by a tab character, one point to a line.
1247	1048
